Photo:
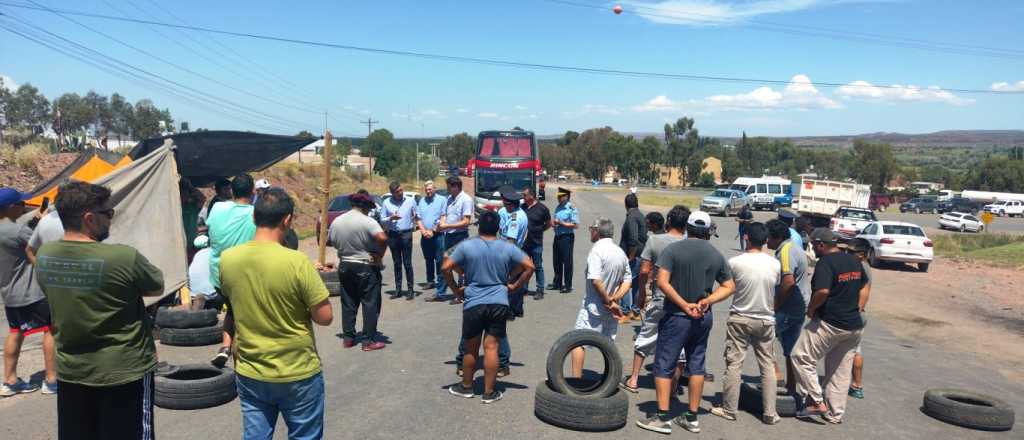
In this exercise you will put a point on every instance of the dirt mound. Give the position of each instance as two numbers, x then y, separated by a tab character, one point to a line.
27	178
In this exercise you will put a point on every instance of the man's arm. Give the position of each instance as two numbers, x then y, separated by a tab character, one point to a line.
382	244
724	290
817	300
865	294
786	287
525	269
632	239
322	313
646	267
624	288
447	269
30	253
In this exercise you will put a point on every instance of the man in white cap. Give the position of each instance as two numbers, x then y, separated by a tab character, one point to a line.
262	186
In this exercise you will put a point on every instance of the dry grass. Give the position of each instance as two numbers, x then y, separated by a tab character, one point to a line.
668	201
998	249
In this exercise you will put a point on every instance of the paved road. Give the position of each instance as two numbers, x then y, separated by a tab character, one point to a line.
400	392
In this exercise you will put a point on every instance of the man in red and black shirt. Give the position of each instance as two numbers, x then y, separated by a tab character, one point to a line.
539	218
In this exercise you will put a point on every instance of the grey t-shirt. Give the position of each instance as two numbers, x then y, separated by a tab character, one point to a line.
793	260
695	266
18	286
49	229
352	235
652	250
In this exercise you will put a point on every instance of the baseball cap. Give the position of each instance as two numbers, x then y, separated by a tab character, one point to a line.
262	184
856	245
699	219
201	241
824	235
10	196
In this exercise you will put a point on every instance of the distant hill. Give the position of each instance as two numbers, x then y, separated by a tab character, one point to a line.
948	138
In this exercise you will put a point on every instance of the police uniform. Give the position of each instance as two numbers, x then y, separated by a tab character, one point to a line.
565	239
512	227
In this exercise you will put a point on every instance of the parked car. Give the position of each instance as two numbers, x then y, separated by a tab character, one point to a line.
340	205
848	221
919	205
958	204
724	202
898	242
962	222
1012	208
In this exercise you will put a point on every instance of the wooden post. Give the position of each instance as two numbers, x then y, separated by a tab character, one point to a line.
325	190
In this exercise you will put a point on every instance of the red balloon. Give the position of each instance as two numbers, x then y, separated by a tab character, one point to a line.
617	9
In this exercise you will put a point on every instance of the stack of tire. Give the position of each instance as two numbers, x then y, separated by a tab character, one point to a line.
582	405
332	282
188	328
195	386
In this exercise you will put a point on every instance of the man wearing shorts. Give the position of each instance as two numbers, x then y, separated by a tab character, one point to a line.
486	262
687	272
104	338
26	307
791	295
608	281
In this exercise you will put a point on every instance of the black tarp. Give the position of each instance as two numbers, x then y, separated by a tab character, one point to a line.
205	156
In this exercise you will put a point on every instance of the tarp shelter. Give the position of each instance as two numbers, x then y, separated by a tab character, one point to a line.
90	165
205	156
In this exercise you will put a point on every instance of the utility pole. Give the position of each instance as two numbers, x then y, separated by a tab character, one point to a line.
325	191
369	125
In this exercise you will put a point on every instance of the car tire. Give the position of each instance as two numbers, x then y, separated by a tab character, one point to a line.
872	259
923	267
195	386
192	337
981	228
963	227
609	382
750	400
968	409
580	413
172	317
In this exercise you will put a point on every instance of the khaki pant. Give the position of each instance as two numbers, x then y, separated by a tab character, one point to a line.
742	332
823	340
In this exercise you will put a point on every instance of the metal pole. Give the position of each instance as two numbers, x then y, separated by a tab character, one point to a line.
325	190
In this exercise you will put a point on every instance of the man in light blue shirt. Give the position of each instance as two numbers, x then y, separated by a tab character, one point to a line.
428	215
512	227
566	220
397	215
788	217
453	225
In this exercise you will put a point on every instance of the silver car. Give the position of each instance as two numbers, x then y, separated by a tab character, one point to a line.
724	202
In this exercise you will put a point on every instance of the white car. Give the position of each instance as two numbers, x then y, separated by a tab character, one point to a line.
959	221
898	242
1012	208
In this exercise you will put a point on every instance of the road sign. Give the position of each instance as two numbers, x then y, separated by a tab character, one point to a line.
986	218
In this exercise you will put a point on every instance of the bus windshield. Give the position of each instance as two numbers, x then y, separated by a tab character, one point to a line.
488	181
506	147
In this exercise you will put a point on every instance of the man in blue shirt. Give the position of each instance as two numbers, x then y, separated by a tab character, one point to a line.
396	215
512	226
428	214
486	262
454	224
566	220
788	217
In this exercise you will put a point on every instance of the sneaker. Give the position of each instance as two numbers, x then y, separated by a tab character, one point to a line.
221	359
411	295
655	423
538	296
49	388
828	417
491	397
857	393
552	286
165	369
435	298
504	371
348	341
689	422
18	387
721	412
566	290
461	391
372	346
771	420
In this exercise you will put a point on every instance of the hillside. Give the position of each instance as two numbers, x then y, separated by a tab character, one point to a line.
948	138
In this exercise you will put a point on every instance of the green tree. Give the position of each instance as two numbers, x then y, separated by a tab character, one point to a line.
340	150
27	107
456	150
873	163
99	107
305	135
376	142
146	120
1000	174
390	158
121	115
590	158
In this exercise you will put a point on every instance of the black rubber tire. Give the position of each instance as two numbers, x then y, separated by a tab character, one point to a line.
750	400
191	337
923	267
968	409
330	276
333	288
580	413
167	317
195	386
609	383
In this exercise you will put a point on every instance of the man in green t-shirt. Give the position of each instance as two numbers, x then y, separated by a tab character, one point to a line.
104	338
276	360
229	224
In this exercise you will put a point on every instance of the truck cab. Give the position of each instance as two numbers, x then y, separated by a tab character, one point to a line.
849	221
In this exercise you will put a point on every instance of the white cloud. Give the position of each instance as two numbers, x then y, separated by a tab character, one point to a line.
799	94
659	103
520	107
999	86
462	110
488	115
432	113
8	82
899	93
717	12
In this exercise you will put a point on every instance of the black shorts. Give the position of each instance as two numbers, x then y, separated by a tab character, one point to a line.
110	413
33	318
485	318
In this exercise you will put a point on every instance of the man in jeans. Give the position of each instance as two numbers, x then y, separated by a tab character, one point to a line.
277	363
360	242
751	323
539	217
687	272
487	263
397	215
454	224
791	295
428	214
840	288
634	236
566	221
104	339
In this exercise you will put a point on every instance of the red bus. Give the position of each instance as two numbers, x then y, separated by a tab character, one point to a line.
503	158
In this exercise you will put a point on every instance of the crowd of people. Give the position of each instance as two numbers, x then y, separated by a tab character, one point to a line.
86	297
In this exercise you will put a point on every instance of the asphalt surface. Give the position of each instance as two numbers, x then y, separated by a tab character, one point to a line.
400	392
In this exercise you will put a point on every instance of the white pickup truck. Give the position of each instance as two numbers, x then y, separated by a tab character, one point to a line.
1012	208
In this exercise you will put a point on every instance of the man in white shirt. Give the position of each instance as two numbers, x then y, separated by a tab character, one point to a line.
608	280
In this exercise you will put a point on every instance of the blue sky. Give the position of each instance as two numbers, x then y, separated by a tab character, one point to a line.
413	96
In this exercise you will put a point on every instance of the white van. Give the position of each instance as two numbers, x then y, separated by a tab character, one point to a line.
764	191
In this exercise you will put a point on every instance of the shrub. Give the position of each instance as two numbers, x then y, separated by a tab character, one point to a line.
28	156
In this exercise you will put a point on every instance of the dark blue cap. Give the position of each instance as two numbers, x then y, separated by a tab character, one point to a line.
787	216
10	196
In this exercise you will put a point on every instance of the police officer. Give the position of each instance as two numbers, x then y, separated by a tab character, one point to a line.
513	227
566	220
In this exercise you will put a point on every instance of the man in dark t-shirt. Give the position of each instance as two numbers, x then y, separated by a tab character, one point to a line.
539	218
840	291
687	273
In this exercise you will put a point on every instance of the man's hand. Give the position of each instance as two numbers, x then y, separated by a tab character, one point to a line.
704	305
323	267
693	310
614	308
459	292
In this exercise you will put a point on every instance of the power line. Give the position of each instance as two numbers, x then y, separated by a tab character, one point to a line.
814	31
515	64
369	125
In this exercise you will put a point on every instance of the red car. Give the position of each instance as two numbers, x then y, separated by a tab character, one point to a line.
339	206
